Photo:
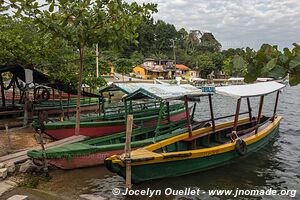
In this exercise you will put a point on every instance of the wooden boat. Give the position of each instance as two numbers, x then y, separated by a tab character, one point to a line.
205	147
92	152
100	126
112	120
56	107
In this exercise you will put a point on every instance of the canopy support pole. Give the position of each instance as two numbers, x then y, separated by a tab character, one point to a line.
102	105
237	113
2	90
187	113
130	107
259	112
126	111
68	111
161	108
193	112
168	111
275	107
211	113
249	109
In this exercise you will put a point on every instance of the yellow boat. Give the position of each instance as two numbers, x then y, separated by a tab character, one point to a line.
206	147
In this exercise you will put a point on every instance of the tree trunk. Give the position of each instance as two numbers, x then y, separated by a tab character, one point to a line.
78	109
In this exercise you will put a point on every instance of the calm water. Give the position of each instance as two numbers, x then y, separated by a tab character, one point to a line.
277	166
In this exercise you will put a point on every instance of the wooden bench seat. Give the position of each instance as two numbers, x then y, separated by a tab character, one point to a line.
210	132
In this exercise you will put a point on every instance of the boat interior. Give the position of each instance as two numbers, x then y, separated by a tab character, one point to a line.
219	136
140	134
118	112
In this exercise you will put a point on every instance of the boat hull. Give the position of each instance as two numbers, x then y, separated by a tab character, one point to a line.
100	129
83	161
144	172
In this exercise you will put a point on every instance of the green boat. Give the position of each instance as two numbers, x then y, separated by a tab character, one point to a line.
112	120
111	124
206	147
93	151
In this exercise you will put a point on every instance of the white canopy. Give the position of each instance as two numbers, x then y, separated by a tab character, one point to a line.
250	90
236	79
127	88
166	92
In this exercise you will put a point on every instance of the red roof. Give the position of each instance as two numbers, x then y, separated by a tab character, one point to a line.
182	67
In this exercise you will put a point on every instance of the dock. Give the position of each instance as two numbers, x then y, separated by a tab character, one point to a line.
22	155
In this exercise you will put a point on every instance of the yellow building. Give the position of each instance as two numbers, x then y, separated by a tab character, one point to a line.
146	72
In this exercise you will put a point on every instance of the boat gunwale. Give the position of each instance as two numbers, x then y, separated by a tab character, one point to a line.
87	124
197	153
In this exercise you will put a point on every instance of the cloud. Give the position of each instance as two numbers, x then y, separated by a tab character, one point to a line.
236	23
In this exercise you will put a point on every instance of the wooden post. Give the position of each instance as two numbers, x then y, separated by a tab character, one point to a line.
237	113
249	109
2	90
45	167
53	93
26	106
259	112
275	107
128	150
211	113
187	113
14	90
8	137
61	106
100	103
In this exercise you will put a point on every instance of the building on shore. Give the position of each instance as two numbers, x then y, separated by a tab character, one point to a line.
163	69
159	69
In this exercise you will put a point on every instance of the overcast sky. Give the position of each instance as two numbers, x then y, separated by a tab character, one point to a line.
236	23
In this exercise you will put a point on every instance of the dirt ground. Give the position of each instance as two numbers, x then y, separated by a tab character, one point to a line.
19	138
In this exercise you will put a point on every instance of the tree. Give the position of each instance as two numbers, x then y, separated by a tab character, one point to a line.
204	64
164	34
23	44
123	65
209	43
218	60
83	23
235	66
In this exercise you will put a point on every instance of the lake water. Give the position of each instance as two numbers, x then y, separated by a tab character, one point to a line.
276	166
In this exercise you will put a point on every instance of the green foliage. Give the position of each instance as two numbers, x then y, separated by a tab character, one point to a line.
71	26
123	65
218	60
235	66
209	43
49	36
204	64
268	61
